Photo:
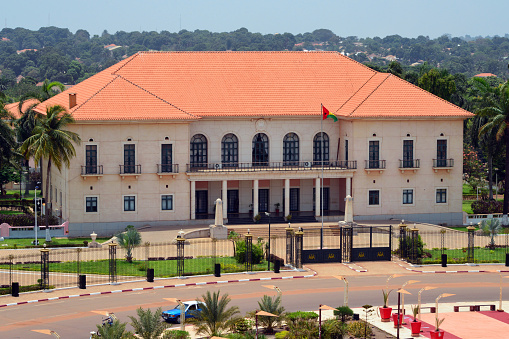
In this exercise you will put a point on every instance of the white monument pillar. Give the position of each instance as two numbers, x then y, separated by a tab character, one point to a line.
287	197
318	198
348	209
193	200
225	198
348	187
255	197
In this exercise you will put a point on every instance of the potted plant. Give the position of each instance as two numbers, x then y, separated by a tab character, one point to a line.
276	205
395	319
289	217
257	218
385	311
416	324
437	334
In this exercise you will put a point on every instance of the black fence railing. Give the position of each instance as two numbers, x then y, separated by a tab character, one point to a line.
92	170
130	169
412	163
167	168
443	162
374	164
273	166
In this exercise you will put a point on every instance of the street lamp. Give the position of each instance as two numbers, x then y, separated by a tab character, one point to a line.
322	307
403	298
443	295
268	250
345	300
427	288
399	322
35	214
48	332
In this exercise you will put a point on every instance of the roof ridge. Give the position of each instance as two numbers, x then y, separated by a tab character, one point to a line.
158	97
115	77
355	93
131	58
436	96
244	52
373	91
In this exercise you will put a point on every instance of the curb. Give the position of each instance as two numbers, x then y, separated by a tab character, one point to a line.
158	287
362	270
462	271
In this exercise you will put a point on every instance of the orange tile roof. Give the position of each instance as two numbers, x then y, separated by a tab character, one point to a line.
484	75
14	107
192	85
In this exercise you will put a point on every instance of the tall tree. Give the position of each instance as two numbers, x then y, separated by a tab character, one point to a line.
497	112
7	141
51	141
215	316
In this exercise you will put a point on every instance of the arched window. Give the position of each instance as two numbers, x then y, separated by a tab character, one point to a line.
260	150
291	150
230	150
318	153
198	151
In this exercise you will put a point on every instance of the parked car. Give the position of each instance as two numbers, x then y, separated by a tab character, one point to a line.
192	309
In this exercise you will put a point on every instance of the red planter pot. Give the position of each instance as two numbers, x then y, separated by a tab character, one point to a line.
416	328
385	314
395	319
437	334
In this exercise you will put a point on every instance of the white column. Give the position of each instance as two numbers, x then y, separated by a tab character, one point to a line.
348	187
193	200
287	197
318	198
225	199
255	197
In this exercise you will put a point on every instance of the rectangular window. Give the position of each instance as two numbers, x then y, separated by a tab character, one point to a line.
346	150
441	153
166	158
408	196
374	154
90	204
129	158
374	198
408	153
167	202
129	203
441	195
91	159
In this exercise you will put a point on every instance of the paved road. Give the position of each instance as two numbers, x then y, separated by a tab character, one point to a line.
74	318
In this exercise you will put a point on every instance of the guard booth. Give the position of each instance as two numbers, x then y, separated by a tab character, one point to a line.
347	244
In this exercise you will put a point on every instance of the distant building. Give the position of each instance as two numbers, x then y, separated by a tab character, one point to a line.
485	75
26	50
111	47
164	134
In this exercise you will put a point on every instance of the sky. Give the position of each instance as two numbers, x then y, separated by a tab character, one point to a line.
368	18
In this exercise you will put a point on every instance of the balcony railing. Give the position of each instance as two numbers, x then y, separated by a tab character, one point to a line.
130	169
92	170
414	163
374	164
167	168
273	166
445	163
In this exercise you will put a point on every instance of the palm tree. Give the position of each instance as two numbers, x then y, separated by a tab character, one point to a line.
148	325
270	305
129	240
51	141
7	141
215	316
491	227
114	331
497	112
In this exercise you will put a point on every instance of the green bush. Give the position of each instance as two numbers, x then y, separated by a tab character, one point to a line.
176	334
343	312
240	254
242	325
282	335
300	315
28	288
359	329
487	206
334	329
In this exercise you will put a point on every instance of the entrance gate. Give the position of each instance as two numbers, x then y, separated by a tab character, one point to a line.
347	244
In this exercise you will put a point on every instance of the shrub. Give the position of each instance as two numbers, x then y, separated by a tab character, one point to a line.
176	334
300	315
487	206
282	335
240	255
343	312
242	325
25	220
359	329
334	329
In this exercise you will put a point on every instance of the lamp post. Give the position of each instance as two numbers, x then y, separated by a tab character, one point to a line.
345	299
403	298
278	290
322	307
398	322
268	249
500	301
35	214
427	288
443	295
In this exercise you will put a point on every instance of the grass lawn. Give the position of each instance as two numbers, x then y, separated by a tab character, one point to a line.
163	268
20	243
11	212
459	256
468	190
467	206
10	194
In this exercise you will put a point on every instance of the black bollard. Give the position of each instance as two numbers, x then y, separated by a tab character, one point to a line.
277	265
507	259
444	260
217	270
150	274
82	282
15	289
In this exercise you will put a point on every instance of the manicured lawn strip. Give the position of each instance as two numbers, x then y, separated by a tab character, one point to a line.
459	256
10	194
11	212
467	206
162	268
61	241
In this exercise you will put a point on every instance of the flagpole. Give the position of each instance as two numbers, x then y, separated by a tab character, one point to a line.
321	183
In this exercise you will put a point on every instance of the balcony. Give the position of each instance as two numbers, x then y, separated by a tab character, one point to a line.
374	165
413	164
92	171
446	164
167	169
272	166
130	170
